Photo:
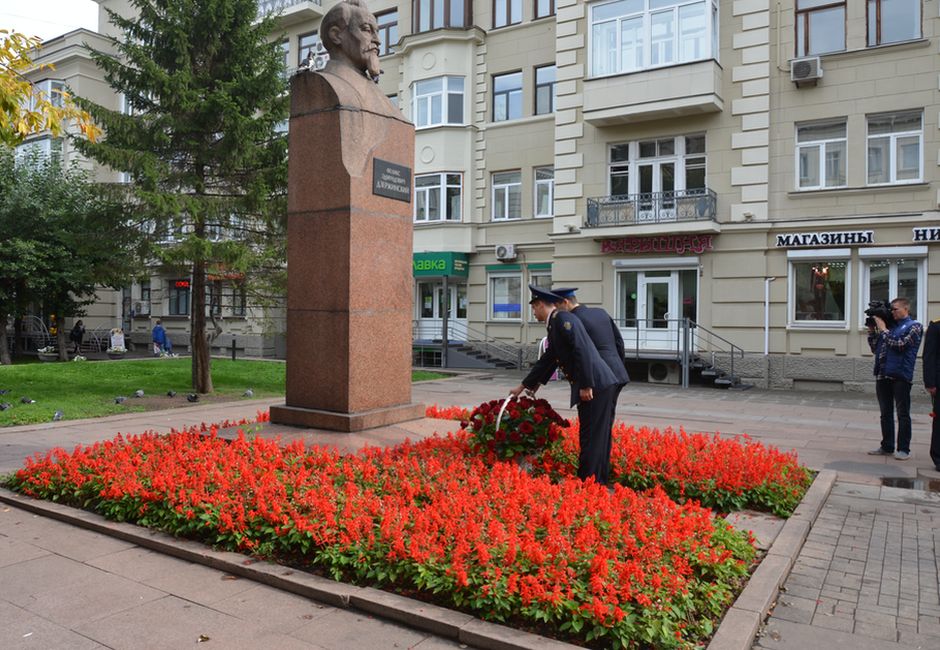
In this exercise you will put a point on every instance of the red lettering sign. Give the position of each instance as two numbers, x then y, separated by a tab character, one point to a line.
182	284
674	244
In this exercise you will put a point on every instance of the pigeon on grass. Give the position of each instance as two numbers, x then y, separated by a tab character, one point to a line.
171	393
192	397
119	399
57	416
138	393
5	405
248	393
26	400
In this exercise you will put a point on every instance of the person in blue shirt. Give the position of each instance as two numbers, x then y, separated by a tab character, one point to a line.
158	336
895	351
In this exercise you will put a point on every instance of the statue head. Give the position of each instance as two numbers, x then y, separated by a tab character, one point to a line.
351	35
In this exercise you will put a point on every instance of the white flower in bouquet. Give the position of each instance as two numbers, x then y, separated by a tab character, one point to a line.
79	357
49	349
117	349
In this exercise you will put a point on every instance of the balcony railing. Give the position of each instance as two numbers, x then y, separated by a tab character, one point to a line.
266	7
652	207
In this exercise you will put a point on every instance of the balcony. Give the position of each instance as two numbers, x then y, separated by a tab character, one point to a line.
673	91
681	206
291	12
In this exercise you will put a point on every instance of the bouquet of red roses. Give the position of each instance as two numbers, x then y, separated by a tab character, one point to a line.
528	427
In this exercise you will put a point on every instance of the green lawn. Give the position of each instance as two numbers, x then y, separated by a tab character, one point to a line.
88	389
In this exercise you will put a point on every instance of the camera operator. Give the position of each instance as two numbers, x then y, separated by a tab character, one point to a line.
895	352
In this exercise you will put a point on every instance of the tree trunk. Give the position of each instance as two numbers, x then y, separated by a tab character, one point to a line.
18	346
5	359
62	342
202	375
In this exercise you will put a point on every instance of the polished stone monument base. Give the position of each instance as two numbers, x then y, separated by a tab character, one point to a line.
345	422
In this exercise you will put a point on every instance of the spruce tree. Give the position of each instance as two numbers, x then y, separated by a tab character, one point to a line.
204	91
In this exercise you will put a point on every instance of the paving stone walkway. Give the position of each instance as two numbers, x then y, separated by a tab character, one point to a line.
866	577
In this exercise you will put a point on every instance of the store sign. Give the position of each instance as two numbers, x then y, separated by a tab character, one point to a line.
677	244
391	180
181	284
440	264
837	238
926	234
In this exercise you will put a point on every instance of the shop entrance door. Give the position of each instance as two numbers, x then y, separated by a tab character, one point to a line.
430	308
657	309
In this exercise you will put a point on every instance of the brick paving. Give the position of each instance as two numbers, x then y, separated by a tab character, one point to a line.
868	568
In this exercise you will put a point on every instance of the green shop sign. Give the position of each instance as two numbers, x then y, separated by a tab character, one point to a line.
440	264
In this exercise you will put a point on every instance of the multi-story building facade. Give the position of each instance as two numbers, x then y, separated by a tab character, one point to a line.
760	169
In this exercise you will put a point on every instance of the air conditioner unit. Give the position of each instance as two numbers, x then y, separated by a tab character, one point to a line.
806	72
506	252
664	372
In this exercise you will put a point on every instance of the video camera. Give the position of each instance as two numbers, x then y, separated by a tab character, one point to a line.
881	309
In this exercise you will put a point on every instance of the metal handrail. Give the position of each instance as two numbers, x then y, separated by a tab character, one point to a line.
501	350
266	7
698	204
683	337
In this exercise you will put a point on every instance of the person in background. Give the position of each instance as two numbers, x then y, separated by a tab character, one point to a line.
158	336
76	335
931	381
895	351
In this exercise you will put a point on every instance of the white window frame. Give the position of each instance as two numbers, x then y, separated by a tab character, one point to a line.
443	205
892	150
449	86
490	314
548	183
632	165
891	254
802	256
709	34
822	147
534	279
506	190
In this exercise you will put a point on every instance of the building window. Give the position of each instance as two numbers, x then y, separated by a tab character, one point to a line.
545	89
818	282
661	165
435	14
393	99
507	195
821	155
893	21
629	35
544	191
820	26
506	12
505	297
886	277
239	300
39	150
544	8
507	96
179	298
438	101
895	143
437	197
285	55
388	31
307	46
214	298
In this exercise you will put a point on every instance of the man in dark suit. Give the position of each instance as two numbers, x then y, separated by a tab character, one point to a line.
931	382
604	334
593	385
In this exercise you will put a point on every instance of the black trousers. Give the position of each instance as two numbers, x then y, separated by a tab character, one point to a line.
935	434
894	394
596	419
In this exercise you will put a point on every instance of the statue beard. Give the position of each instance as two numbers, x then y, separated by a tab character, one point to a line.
371	57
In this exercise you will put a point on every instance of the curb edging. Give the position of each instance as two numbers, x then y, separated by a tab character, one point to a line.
740	624
442	621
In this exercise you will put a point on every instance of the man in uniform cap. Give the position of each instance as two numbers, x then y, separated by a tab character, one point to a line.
604	334
593	385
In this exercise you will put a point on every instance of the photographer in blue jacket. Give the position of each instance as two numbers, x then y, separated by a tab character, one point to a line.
895	349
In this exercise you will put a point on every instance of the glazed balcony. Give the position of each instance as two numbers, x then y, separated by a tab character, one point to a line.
291	12
696	205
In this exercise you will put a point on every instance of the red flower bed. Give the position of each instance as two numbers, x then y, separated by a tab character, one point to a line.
723	473
612	570
446	413
527	427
